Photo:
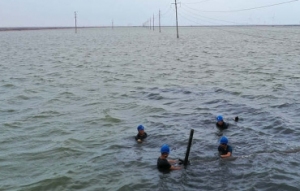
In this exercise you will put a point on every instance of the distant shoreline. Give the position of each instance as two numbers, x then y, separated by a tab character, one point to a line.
60	28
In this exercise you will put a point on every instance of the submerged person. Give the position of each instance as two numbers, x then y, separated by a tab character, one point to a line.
141	134
163	163
220	123
224	149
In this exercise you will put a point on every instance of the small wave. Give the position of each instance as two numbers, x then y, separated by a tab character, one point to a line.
54	183
278	87
169	103
266	97
252	97
66	94
283	105
13	125
8	85
92	103
55	74
186	92
46	114
51	101
219	90
8	110
215	101
22	97
152	110
111	119
91	122
296	150
20	79
155	96
116	147
154	88
287	131
92	89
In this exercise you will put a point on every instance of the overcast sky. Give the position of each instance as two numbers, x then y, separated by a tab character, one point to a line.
23	13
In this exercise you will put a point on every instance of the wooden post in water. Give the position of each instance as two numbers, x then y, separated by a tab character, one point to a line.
176	19
75	21
159	22
186	159
153	22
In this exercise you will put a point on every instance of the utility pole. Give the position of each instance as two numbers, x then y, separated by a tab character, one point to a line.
153	22
150	23
159	22
176	19
75	21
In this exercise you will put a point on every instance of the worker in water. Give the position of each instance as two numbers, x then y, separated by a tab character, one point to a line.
166	164
220	123
224	149
141	134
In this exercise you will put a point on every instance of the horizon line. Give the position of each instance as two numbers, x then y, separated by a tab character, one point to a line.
85	27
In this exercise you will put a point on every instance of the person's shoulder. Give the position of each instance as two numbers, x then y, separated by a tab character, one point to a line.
225	125
145	135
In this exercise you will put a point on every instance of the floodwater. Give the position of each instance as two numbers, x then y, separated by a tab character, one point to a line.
70	104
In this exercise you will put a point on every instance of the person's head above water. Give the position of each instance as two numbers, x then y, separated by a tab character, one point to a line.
141	134
224	149
163	163
219	119
223	140
236	119
140	128
165	149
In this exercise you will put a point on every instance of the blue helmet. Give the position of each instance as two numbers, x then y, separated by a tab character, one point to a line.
140	127
219	118
224	140
165	149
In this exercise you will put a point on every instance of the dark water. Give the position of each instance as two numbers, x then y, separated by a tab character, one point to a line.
70	105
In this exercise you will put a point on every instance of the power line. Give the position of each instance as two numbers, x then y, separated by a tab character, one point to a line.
168	4
212	18
169	16
201	17
236	32
198	2
193	20
166	11
247	9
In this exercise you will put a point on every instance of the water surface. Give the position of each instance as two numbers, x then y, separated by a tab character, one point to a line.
70	105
